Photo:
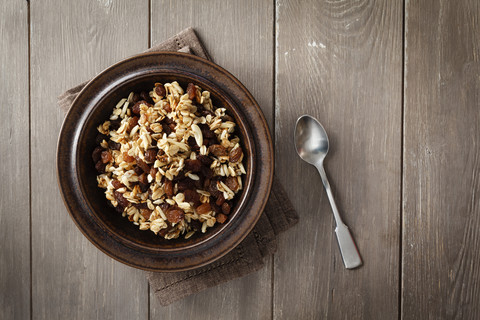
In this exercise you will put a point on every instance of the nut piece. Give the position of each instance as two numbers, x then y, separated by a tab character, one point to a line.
197	134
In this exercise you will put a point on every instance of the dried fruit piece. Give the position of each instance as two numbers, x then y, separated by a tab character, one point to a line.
192	91
232	183
150	155
153	172
221	218
145	96
145	167
146	213
175	215
226	208
121	200
100	166
168	188
204	208
114	145
192	196
206	132
97	153
235	154
217	150
205	160
128	158
220	200
136	106
117	184
106	156
160	90
132	122
193	165
100	137
138	170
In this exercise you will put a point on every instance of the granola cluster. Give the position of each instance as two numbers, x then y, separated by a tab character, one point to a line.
169	160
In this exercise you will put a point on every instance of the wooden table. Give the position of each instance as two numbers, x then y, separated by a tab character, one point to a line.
396	85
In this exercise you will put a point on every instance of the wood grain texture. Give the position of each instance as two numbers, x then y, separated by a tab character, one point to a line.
70	42
14	173
441	232
341	62
239	37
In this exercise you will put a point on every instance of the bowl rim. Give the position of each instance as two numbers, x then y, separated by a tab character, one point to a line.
75	201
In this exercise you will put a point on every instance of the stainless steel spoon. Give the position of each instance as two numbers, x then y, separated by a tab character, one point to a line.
311	142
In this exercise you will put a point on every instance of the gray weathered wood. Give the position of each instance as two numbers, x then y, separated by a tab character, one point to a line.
342	63
71	41
239	37
14	155
441	230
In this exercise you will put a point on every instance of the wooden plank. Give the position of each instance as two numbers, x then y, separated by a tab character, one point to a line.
71	42
441	233
14	173
342	63
239	37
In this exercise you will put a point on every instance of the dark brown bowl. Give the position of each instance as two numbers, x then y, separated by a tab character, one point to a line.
86	203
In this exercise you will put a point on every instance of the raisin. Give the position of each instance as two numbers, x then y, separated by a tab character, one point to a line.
175	215
185	184
135	98
114	145
136	106
192	142
227	118
119	209
145	167
100	166
164	206
206	132
196	225
163	232
221	218
143	178
217	150
207	112
232	183
226	208
160	90
138	170
100	137
167	107
142	205
132	122
220	200
168	188
146	213
235	154
212	188
121	199
97	154
204	208
192	196
206	172
192	91
128	158
150	155
205	160
117	184
166	129
145	96
193	165
115	124
106	156
153	172
216	208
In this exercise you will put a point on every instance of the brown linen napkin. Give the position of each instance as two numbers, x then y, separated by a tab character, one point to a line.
247	257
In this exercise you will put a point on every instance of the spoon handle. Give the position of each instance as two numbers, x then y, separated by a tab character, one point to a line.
348	249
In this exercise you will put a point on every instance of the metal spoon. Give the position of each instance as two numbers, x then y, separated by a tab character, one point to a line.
311	142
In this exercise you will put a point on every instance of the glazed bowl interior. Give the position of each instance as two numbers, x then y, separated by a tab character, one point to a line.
106	216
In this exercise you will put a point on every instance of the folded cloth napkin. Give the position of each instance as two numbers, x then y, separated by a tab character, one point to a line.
247	257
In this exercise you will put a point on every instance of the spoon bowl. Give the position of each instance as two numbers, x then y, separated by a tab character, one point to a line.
311	140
